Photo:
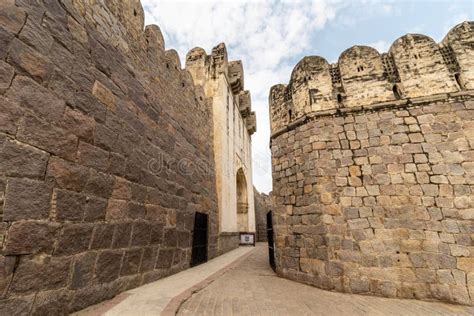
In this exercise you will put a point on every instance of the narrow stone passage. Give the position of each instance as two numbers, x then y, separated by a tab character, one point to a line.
252	288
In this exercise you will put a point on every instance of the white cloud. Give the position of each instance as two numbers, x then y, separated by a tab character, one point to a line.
265	35
381	46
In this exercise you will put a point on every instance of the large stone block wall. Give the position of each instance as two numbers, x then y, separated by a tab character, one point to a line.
104	155
263	204
373	170
380	202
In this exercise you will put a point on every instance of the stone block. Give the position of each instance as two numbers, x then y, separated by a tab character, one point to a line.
108	265
116	210
92	156
66	175
43	273
68	205
165	258
102	236
6	76
459	251
148	259
358	223
412	148
26	199
95	209
12	17
54	302
104	95
20	160
99	184
7	267
157	234
83	270
87	296
170	235
465	264
35	36
131	261
122	235
79	124
48	137
29	62
359	286
74	238
30	238
10	115
430	189
460	294
17	305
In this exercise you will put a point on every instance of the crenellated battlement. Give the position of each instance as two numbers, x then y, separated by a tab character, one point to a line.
415	66
206	70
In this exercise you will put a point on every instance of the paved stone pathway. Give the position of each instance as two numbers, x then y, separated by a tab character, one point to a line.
163	297
252	288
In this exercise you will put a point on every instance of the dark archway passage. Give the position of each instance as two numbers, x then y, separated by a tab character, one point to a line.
199	251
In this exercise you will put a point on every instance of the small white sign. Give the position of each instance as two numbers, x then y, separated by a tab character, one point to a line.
247	239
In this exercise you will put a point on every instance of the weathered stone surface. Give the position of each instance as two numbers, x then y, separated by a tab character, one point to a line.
26	199
87	296
7	266
131	262
17	305
165	258
9	116
20	160
34	35
99	184
49	138
92	156
12	18
6	76
68	205
141	233
52	303
372	198
108	265
148	259
73	239
30	238
83	270
86	103
102	237
79	124
104	95
95	209
44	272
66	175
29	62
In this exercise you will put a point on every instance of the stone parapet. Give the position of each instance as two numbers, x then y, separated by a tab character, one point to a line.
415	66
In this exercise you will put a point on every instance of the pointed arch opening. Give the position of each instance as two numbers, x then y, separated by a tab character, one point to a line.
242	202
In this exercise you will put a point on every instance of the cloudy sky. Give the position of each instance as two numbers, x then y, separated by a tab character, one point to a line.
270	37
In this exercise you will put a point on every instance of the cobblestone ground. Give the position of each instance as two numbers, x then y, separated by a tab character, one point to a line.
252	288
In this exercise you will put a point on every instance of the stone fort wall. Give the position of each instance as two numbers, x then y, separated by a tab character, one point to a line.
104	155
234	123
373	170
263	205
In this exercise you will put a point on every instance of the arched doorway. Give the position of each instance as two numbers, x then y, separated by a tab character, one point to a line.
242	202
